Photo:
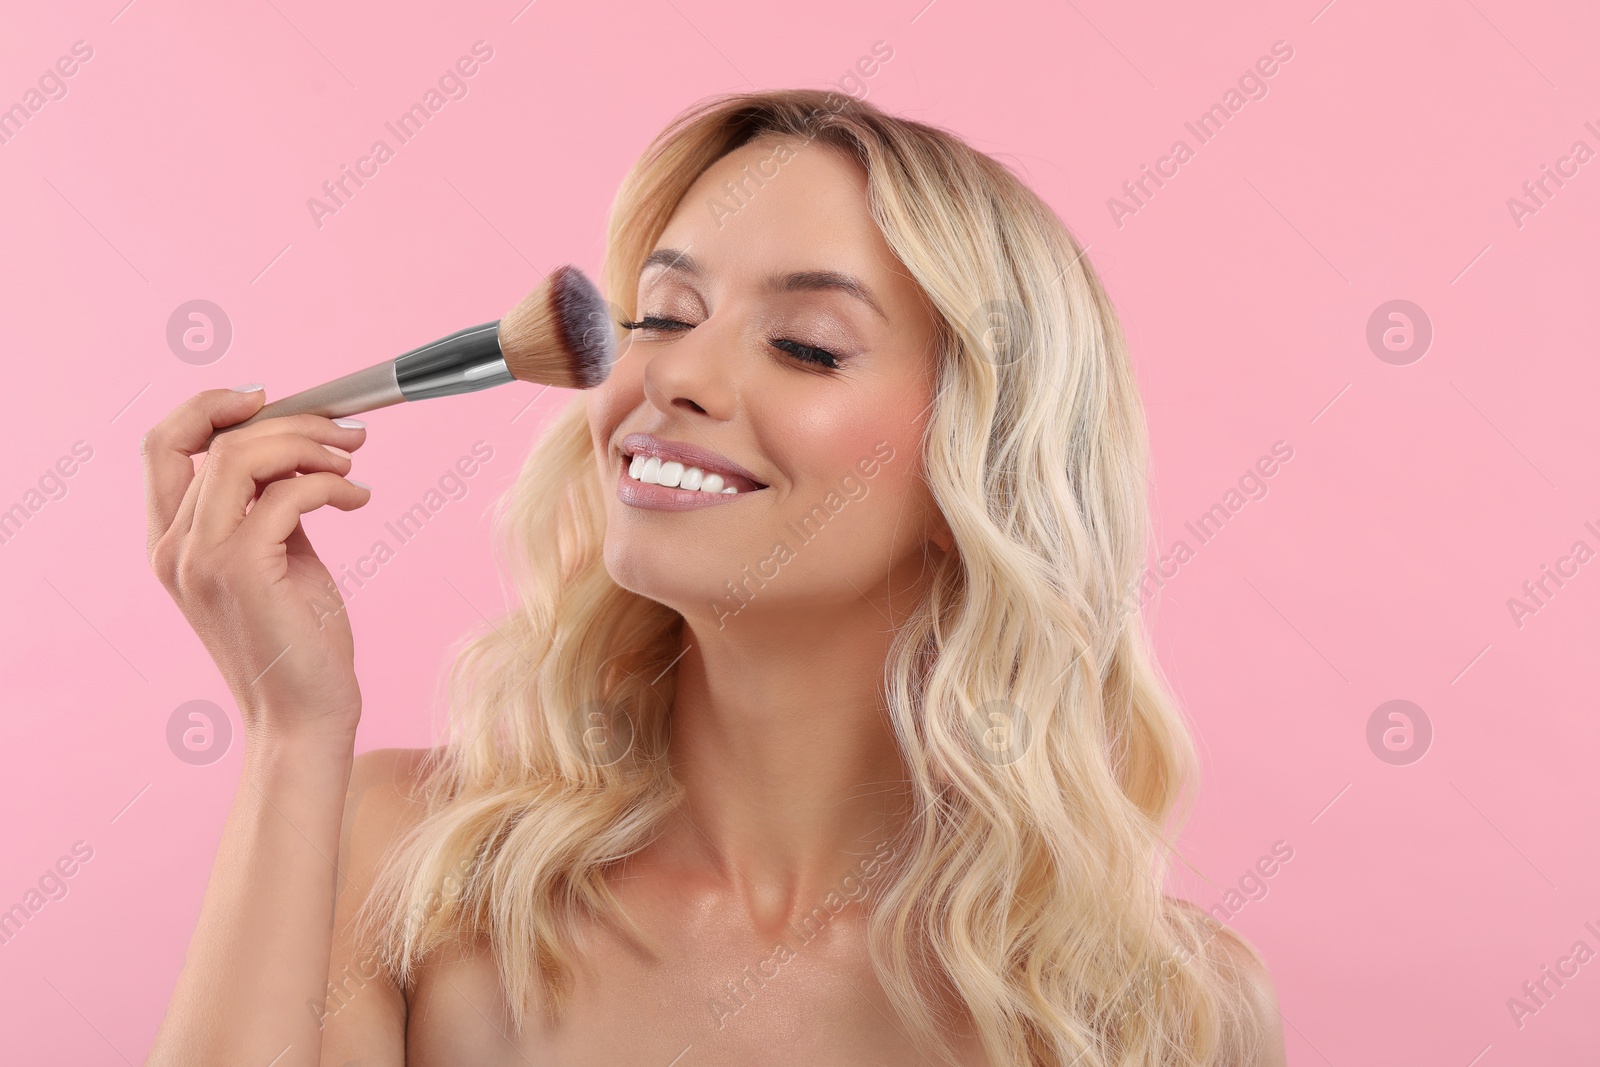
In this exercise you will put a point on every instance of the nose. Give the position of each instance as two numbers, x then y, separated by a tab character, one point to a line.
695	371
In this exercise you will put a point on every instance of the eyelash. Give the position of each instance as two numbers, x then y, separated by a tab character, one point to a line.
805	353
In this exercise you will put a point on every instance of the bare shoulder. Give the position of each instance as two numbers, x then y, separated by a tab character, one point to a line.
1241	960
391	775
384	799
364	1014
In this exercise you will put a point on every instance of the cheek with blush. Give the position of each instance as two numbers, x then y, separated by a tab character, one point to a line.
874	478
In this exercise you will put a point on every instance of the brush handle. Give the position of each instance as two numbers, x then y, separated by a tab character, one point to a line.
374	387
463	362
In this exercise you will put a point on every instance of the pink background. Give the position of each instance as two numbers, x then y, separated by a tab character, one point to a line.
1419	498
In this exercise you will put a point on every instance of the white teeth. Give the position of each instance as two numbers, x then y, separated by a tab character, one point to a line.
652	471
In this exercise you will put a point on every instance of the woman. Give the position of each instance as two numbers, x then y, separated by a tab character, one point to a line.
865	761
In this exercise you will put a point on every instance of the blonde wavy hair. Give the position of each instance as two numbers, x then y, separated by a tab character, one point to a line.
1028	880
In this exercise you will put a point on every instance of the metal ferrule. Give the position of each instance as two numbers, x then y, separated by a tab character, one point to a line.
464	362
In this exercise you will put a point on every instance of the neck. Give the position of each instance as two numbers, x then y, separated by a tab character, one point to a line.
782	741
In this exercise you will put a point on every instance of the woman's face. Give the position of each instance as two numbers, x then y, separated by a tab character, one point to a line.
747	266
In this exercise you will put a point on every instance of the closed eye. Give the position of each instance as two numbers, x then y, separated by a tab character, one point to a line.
805	353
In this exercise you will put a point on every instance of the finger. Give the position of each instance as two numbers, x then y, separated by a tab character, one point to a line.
314	428
348	434
166	448
237	468
282	503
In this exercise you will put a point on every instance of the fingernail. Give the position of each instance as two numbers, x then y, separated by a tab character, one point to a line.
250	388
337	451
363	485
350	424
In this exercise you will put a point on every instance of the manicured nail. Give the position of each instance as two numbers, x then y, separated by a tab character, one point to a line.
363	485
350	424
337	451
250	388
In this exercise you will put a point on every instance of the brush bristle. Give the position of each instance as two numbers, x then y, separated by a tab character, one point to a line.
561	334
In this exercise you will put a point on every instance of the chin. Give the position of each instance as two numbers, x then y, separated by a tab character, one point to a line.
651	575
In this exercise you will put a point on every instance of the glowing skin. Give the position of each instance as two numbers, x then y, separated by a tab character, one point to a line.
776	722
792	775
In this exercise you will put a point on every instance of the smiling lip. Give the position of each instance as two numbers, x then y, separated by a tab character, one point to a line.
637	444
670	498
667	498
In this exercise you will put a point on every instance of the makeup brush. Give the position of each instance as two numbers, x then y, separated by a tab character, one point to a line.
561	334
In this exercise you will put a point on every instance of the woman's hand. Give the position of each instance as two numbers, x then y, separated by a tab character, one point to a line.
227	544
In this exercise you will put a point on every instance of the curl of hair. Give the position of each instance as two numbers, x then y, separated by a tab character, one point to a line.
1028	881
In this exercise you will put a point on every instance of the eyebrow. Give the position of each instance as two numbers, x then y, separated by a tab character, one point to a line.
795	282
